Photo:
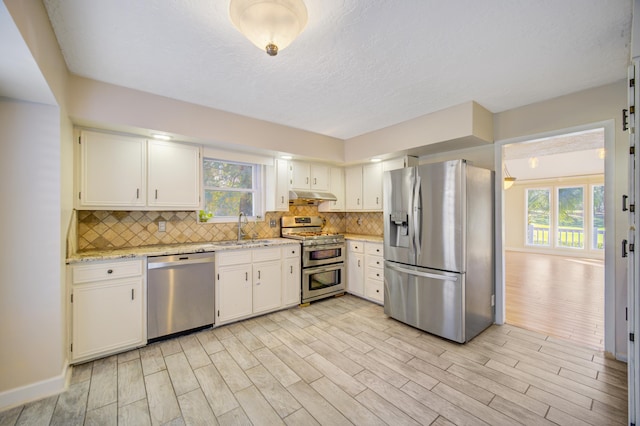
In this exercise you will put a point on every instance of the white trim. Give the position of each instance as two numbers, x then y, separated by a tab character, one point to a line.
610	266
34	391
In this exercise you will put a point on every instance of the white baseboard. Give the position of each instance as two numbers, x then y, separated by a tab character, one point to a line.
34	391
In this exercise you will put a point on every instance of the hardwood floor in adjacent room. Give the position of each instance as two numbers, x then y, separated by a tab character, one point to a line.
556	295
340	361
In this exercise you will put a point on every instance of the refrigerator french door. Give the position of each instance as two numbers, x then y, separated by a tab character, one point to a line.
439	217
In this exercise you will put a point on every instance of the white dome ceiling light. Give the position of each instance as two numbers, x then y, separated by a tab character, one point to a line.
269	24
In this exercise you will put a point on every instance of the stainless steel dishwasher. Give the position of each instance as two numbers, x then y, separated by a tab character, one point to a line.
180	293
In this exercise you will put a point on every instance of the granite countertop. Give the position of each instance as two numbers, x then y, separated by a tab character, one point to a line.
167	249
362	237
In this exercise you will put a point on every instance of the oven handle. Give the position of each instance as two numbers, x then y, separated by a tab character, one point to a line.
320	269
323	247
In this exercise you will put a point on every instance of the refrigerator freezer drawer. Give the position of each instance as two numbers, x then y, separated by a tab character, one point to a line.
430	300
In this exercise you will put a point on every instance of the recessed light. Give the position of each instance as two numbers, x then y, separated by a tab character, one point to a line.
286	157
162	137
376	160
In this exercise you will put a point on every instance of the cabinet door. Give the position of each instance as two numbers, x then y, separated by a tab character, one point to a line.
173	175
291	281
282	186
112	170
372	187
107	316
355	273
233	292
320	177
300	175
267	286
353	188
336	187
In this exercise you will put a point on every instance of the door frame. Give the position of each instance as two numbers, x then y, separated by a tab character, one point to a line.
609	255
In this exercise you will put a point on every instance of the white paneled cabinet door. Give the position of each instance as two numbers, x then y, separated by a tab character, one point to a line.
267	286
372	186
291	284
355	267
112	170
353	188
282	186
234	298
173	175
107	316
319	177
336	187
300	175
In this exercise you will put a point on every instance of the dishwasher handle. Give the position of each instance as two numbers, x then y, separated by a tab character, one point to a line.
182	261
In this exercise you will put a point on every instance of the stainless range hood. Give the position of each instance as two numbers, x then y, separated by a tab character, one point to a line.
297	197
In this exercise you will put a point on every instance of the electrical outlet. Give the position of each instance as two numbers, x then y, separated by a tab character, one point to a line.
272	223
162	226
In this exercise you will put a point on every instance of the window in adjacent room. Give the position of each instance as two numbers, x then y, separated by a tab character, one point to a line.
538	216
570	216
231	188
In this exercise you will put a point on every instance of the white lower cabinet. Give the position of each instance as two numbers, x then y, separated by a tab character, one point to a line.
374	272
253	281
108	308
291	268
365	270
355	267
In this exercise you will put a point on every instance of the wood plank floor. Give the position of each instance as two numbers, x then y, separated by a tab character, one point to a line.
340	361
556	295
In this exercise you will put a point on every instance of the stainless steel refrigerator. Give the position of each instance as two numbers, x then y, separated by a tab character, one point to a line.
438	248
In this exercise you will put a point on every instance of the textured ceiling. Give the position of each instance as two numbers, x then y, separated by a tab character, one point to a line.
360	65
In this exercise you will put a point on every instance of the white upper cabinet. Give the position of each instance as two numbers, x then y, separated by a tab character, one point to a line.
306	176
113	170
277	186
363	187
372	186
336	187
123	172
173	175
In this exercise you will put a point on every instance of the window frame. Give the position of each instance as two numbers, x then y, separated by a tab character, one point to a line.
526	217
257	180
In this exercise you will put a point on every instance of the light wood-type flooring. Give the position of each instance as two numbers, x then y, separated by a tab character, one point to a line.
556	295
340	361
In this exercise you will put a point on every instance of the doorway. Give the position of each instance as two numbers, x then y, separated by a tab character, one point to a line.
554	236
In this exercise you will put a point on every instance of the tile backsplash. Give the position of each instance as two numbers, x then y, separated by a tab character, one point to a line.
103	229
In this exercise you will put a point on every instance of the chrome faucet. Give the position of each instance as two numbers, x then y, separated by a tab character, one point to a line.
241	234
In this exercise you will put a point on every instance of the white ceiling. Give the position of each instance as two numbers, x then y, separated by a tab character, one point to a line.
360	65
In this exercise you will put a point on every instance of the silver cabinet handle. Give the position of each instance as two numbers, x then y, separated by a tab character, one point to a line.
246	276
282	198
291	269
358	263
137	193
307	180
377	200
258	274
358	203
132	294
156	194
315	181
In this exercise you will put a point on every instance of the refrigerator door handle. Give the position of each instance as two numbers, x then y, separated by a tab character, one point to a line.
417	216
421	274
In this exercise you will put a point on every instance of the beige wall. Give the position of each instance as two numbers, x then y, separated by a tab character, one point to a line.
103	105
36	163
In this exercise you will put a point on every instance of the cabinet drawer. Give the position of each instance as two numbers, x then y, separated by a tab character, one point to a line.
375	290
373	248
374	261
264	254
291	251
375	273
355	246
106	271
233	257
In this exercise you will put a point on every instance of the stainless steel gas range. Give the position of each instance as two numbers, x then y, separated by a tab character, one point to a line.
323	256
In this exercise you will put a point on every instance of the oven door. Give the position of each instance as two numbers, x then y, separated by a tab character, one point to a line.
322	254
322	281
